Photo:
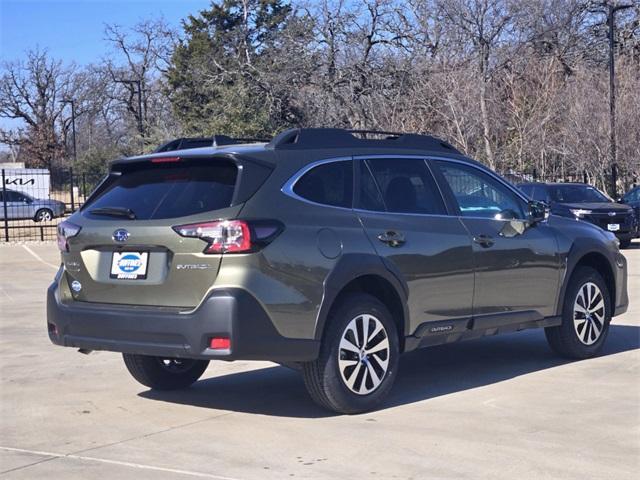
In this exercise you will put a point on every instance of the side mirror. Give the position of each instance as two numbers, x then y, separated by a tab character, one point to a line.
538	211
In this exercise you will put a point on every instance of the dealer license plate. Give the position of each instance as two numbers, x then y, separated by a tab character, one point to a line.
129	265
613	227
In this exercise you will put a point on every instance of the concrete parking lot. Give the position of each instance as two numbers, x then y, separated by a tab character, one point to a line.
501	407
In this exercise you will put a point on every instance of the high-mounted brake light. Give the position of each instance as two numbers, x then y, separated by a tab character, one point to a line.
232	236
66	230
165	159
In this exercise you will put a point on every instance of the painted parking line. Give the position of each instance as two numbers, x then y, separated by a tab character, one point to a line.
39	258
141	466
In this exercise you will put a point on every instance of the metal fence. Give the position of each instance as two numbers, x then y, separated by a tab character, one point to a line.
34	201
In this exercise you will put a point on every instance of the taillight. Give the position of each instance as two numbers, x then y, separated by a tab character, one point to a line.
231	236
66	230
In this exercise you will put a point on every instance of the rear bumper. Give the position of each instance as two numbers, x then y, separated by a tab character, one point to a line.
232	313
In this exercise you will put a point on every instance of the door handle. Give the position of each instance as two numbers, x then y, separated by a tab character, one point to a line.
485	241
392	238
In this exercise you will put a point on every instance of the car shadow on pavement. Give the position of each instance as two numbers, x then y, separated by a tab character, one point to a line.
635	245
424	374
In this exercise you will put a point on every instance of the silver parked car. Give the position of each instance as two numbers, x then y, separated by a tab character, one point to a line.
19	205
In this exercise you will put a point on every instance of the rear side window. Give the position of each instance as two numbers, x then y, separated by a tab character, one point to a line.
328	184
170	190
15	197
407	186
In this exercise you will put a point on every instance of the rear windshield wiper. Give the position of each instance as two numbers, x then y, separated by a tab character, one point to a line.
114	212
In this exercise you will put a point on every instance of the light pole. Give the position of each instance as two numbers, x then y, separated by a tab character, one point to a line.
138	83
73	126
611	10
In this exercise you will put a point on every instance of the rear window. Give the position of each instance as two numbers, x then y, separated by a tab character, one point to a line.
171	190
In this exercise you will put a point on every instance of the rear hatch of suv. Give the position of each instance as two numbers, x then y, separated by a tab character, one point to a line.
130	250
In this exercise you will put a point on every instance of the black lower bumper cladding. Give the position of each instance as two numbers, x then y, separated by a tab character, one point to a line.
230	313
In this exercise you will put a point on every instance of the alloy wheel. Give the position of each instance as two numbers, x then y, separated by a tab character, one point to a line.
363	354
589	313
44	216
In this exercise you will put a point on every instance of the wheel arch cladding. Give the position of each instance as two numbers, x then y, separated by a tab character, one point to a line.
600	263
364	274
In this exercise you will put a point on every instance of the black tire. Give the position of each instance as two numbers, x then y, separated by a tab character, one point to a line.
625	243
41	215
164	373
323	378
564	339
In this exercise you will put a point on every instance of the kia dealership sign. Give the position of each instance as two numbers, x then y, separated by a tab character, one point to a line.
32	181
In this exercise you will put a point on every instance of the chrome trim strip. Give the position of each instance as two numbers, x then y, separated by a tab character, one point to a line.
376	212
287	188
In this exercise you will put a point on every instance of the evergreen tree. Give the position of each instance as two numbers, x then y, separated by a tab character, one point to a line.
219	75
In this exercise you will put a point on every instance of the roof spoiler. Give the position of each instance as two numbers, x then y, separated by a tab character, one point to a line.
310	138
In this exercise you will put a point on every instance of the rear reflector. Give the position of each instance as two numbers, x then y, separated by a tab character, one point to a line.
220	343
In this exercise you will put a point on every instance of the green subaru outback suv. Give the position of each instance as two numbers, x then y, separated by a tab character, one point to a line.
324	249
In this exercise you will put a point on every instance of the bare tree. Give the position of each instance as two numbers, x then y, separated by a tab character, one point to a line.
31	93
485	24
142	54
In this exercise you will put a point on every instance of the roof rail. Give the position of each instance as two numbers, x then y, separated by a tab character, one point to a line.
364	133
186	143
315	138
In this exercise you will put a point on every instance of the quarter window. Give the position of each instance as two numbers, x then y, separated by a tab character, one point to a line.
406	186
480	195
328	184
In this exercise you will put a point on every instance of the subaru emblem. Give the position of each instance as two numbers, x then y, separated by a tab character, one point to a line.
76	286
612	214
120	235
